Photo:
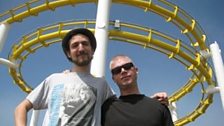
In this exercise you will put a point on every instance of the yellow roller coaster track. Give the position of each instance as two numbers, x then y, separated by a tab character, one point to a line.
188	55
174	14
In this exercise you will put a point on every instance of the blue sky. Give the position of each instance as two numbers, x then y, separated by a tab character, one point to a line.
156	71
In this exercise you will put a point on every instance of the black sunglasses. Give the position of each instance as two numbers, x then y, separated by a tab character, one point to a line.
118	69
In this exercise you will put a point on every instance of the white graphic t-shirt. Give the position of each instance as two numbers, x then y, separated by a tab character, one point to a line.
71	99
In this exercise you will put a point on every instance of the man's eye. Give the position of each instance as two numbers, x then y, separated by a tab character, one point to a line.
85	43
74	45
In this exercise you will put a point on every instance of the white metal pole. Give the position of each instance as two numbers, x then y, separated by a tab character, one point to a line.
4	28
212	90
218	67
173	111
101	34
8	63
34	118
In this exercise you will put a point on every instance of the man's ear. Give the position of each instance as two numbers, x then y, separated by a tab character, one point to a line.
68	54
136	70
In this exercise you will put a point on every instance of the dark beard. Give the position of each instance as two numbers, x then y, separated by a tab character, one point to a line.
83	63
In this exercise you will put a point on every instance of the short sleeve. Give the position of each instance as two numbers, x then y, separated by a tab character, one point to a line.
38	96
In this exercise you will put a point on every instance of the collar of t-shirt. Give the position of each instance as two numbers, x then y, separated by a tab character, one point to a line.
132	97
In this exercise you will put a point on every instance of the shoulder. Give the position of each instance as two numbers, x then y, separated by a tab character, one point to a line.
59	75
151	99
159	105
55	78
108	103
154	102
110	100
100	80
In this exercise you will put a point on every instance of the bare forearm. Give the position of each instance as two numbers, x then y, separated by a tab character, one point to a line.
21	113
20	117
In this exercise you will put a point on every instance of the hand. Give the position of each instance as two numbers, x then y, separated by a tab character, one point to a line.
161	97
66	71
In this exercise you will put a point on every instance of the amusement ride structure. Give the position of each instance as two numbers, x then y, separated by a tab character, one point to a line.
194	55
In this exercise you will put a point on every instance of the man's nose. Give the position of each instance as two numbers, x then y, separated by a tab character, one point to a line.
81	47
123	70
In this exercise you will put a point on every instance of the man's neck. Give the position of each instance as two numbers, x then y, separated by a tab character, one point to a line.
81	69
125	92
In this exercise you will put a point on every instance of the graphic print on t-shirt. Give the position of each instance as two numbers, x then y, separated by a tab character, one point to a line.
55	104
78	105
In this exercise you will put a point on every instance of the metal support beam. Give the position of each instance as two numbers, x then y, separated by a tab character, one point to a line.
218	67
4	28
101	34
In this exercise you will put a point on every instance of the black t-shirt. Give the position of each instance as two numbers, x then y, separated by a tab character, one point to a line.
135	110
